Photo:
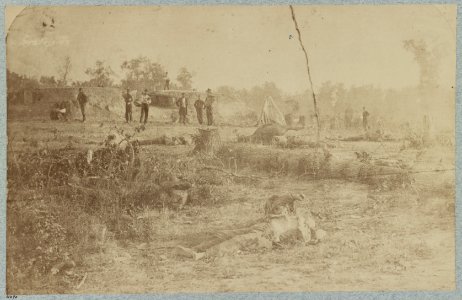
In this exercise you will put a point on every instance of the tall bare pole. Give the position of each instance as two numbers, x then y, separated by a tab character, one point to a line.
307	69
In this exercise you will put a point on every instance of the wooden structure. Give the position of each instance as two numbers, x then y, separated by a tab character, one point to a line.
167	98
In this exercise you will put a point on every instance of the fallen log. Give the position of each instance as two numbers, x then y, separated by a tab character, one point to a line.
166	140
369	137
312	165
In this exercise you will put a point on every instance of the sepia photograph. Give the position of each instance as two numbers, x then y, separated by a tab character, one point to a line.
230	148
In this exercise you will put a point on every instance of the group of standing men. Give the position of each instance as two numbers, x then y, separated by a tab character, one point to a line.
145	101
200	105
182	103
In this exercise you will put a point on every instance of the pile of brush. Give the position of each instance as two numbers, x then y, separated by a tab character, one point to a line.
56	167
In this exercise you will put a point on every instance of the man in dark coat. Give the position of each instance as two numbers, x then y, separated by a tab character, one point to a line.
208	107
365	117
82	99
167	82
199	105
128	106
182	104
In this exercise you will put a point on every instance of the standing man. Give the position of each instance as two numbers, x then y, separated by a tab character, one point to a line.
365	116
128	106
348	117
167	82
208	107
199	105
182	103
82	99
145	101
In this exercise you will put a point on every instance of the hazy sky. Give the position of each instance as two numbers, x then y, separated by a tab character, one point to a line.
239	46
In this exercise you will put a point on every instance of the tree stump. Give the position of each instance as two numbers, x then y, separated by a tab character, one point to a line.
207	141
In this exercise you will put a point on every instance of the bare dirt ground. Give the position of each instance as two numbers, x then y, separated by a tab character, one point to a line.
376	240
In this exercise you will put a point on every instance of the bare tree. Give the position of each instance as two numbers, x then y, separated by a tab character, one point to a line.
64	70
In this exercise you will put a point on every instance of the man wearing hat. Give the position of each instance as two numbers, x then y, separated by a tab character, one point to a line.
182	104
208	107
145	101
167	82
82	99
365	117
128	105
199	105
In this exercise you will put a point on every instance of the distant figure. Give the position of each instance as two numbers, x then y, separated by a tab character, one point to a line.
334	122
199	105
289	118
128	106
365	117
348	117
182	104
167	82
57	113
82	99
145	101
208	107
66	105
380	126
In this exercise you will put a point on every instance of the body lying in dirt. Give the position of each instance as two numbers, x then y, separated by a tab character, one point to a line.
283	223
265	133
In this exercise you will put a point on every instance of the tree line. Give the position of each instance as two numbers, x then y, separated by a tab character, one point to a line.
139	73
390	105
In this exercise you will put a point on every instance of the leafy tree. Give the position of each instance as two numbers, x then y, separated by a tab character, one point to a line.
100	75
258	94
48	81
16	82
141	73
185	78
